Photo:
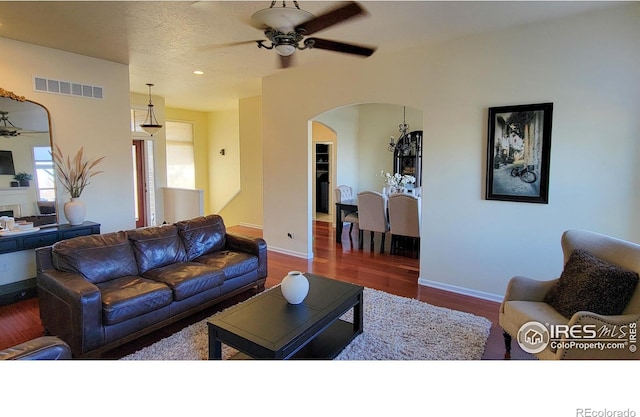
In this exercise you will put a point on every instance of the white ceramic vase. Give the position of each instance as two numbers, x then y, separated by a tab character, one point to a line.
295	287
75	211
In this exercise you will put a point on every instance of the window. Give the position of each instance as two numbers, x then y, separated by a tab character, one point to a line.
180	162
138	116
45	183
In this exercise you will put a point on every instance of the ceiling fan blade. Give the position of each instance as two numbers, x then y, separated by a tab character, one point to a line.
339	47
330	18
226	45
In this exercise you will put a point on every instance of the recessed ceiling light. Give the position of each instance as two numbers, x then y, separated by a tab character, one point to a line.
198	72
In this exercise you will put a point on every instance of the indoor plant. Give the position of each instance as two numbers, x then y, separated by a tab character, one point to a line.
74	175
23	178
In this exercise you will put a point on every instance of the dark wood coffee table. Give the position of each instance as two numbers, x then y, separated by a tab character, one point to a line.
268	327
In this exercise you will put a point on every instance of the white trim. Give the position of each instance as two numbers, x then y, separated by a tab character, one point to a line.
252	226
290	252
461	290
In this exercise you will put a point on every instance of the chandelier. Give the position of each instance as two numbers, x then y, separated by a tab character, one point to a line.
403	128
151	125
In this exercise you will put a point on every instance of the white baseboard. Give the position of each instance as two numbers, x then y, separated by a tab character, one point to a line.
461	290
290	252
253	226
279	250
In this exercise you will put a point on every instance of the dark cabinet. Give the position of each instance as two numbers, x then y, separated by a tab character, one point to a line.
20	290
322	178
39	240
407	156
45	237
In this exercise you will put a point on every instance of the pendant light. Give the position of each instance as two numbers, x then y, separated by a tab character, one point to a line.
151	125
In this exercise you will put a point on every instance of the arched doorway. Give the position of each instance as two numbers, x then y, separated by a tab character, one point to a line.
361	145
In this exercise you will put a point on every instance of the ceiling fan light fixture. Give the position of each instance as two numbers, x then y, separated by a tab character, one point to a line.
151	125
285	49
286	27
283	18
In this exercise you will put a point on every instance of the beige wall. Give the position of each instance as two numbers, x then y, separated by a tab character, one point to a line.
246	206
224	170
586	65
100	126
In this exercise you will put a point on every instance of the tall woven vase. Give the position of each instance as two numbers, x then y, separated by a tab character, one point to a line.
75	211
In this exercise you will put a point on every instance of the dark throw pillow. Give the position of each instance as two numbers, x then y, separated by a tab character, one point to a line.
588	283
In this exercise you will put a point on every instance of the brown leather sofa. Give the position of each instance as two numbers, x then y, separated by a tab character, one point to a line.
97	292
41	348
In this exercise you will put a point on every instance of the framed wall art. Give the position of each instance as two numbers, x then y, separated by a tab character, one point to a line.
518	153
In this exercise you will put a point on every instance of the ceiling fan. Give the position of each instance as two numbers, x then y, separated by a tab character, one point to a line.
7	129
286	29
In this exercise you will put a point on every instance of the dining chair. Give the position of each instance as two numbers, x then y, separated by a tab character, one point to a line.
343	193
372	216
405	221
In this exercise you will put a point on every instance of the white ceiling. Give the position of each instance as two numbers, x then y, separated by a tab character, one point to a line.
163	42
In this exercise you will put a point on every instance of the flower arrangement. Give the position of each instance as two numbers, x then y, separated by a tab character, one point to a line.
74	174
397	181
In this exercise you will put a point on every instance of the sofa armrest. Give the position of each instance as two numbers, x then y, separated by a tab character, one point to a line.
71	308
614	330
44	258
253	245
41	348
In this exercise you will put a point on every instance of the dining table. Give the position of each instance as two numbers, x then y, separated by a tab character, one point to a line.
347	206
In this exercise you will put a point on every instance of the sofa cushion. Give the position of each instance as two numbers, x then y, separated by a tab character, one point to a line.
187	278
98	258
591	284
202	235
232	263
155	247
128	297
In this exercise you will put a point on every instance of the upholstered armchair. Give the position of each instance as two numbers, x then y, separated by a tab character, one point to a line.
372	216
600	273
41	348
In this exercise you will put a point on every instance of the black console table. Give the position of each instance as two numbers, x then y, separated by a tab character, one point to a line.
16	291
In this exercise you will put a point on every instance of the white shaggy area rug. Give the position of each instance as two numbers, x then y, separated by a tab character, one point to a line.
395	328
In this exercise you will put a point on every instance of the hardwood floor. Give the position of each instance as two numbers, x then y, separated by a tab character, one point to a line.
394	274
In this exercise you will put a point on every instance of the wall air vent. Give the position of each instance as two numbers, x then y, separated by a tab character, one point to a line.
67	88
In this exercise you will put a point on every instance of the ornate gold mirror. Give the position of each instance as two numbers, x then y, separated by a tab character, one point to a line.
27	181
